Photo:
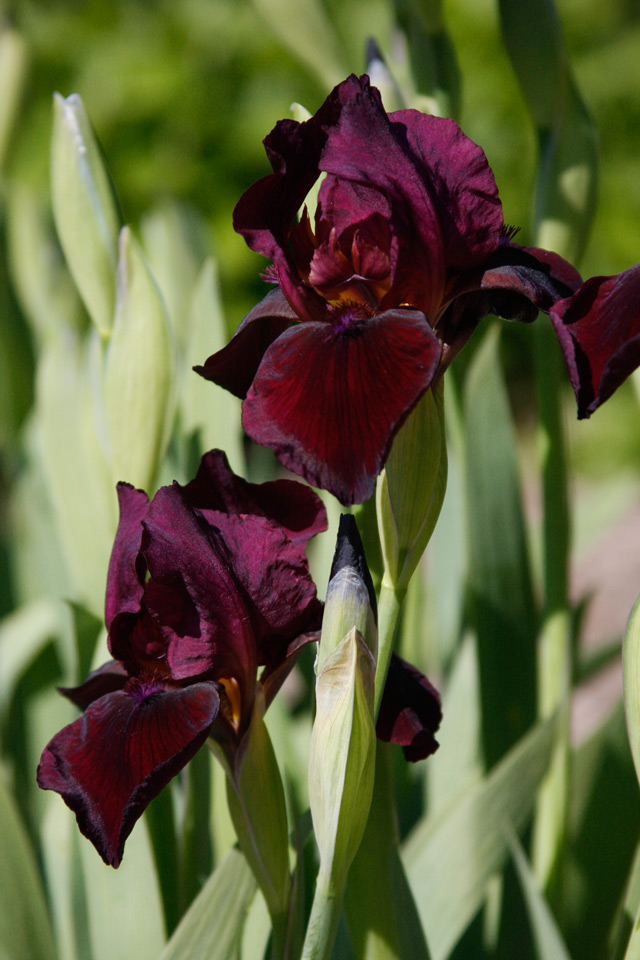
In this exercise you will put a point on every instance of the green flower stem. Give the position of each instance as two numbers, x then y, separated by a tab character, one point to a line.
324	920
389	606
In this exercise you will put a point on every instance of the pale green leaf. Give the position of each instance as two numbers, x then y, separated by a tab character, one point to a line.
85	209
124	906
23	635
46	293
450	858
173	240
25	929
138	382
501	598
631	676
212	927
79	485
546	935
625	926
205	406
457	763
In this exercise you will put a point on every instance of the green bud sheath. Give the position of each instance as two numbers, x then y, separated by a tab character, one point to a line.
85	209
257	806
342	756
411	488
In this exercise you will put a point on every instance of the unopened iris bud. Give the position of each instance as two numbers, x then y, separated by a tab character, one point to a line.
411	489
350	600
342	755
85	209
138	391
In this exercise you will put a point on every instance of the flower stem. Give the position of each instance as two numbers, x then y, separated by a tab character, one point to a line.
389	606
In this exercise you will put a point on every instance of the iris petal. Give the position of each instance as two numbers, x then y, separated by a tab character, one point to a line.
234	367
211	630
599	333
410	711
110	763
125	581
328	398
295	508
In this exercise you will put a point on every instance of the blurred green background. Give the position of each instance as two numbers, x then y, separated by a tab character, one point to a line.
180	94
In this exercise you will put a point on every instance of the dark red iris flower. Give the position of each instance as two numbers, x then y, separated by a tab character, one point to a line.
407	252
599	332
207	583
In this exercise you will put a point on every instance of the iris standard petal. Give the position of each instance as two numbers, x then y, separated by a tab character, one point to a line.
461	185
274	574
205	623
295	508
125	580
329	397
110	763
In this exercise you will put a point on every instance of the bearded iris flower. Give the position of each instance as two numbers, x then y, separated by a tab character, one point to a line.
599	332
206	583
408	251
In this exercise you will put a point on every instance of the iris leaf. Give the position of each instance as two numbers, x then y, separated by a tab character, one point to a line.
25	930
449	859
211	928
546	935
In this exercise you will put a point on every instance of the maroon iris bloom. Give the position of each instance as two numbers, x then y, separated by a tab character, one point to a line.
599	332
407	252
206	583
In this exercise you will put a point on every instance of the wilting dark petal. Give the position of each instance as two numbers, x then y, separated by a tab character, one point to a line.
234	367
329	397
599	332
110	763
275	576
205	623
125	580
296	508
410	711
109	677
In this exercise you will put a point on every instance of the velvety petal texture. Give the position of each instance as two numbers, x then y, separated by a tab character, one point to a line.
408	223
599	332
205	586
410	712
294	508
328	398
110	763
